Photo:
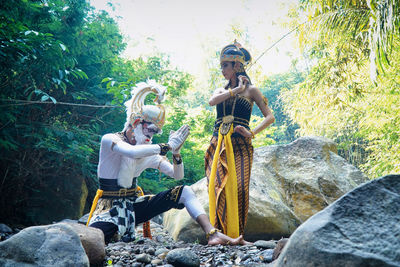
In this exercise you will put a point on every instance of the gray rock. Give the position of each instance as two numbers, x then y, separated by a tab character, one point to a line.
183	257
161	251
289	183
49	245
279	247
359	229
157	262
5	229
144	258
265	244
92	240
125	254
158	219
150	251
266	255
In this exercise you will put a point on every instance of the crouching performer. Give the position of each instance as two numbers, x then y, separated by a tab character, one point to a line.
118	206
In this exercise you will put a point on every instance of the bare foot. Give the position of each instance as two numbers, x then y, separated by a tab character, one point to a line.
244	242
220	239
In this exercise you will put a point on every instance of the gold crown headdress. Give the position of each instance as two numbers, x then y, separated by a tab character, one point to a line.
234	58
136	109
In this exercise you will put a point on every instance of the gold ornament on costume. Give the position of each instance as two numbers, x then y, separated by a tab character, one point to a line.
234	58
136	109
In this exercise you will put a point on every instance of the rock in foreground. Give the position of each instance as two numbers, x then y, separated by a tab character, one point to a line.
362	228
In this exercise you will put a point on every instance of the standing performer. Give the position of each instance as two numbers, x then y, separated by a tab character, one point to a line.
229	157
118	206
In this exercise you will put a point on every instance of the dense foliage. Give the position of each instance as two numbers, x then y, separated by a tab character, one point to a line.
57	101
345	97
53	57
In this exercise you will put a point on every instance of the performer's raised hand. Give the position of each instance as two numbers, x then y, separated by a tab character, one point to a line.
177	138
243	83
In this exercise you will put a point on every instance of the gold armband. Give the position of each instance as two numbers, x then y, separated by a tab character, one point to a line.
252	134
231	92
265	100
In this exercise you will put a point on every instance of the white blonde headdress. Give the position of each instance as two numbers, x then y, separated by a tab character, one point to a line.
136	109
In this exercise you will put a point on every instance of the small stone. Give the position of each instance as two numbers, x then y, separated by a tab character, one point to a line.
245	257
265	244
266	255
125	254
161	251
183	257
156	262
145	258
140	241
5	229
150	251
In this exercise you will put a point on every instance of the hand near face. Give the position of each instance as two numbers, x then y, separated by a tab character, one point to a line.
243	83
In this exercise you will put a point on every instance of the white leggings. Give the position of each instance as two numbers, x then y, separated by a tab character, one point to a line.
192	204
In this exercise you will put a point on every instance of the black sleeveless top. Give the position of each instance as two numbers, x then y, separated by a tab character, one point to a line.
241	111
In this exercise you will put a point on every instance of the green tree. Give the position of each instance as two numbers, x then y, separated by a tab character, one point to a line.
339	98
49	147
372	22
285	128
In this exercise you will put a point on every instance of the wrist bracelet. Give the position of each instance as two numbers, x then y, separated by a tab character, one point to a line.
177	159
164	148
231	92
252	134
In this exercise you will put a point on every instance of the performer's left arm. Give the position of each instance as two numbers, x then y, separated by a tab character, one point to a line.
175	170
262	103
176	140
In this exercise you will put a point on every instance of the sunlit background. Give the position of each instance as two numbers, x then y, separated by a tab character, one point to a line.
191	31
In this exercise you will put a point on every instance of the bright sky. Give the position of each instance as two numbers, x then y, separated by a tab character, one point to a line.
190	31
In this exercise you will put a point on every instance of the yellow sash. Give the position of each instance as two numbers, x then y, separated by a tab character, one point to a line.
99	194
230	185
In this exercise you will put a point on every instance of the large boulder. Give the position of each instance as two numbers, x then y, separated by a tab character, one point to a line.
48	245
362	228
92	240
289	183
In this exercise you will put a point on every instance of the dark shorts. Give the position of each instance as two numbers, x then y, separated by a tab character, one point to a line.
149	207
157	204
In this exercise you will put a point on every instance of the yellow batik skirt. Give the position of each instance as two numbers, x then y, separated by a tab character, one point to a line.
228	182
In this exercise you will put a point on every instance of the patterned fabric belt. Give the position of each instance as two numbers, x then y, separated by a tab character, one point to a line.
236	120
111	189
120	193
